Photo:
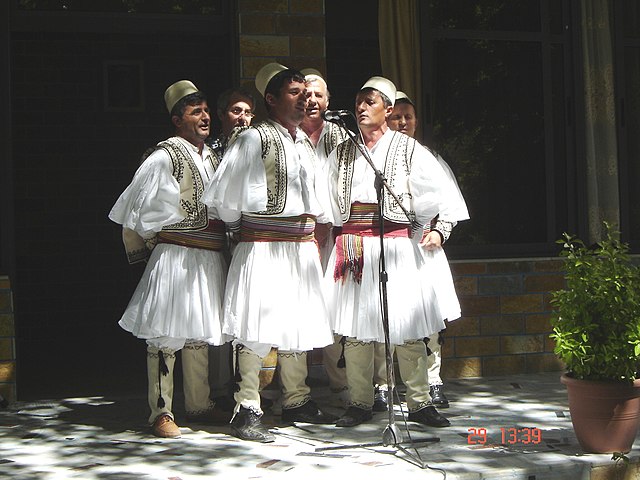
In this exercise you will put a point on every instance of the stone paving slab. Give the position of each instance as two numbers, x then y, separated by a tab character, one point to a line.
107	438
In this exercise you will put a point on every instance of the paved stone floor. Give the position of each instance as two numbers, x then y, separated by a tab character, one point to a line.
107	438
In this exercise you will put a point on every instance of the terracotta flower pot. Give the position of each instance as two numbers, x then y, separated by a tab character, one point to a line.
605	415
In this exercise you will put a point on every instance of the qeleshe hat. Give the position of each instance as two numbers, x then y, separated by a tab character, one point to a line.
400	95
383	85
265	74
311	74
177	92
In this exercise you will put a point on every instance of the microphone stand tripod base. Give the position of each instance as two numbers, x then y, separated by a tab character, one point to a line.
391	435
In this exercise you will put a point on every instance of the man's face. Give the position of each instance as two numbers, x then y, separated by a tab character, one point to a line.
371	112
403	119
288	108
194	123
317	100
238	113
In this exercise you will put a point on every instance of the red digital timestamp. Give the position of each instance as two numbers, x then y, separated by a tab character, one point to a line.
509	436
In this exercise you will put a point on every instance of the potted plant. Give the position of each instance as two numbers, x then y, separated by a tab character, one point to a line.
596	329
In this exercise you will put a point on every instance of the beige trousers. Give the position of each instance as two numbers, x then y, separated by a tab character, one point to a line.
412	363
195	375
330	357
434	361
195	379
380	365
412	359
160	383
292	369
359	359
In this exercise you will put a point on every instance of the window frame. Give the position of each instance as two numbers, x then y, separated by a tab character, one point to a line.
575	173
621	43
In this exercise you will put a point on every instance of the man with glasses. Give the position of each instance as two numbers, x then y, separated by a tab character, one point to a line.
234	109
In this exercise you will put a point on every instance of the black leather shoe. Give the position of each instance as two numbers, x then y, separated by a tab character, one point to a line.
429	416
438	397
307	413
246	425
380	400
354	416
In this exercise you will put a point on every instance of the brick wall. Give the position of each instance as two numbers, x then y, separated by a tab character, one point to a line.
506	318
7	342
291	32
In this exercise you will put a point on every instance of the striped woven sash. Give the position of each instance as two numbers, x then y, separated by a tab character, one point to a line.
364	221
213	237
277	229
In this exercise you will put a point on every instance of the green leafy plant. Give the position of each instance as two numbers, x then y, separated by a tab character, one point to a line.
596	321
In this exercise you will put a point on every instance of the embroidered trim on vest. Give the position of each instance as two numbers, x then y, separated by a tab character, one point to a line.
275	167
334	136
346	155
397	169
188	177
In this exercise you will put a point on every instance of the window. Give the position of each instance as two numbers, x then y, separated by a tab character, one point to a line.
499	86
628	75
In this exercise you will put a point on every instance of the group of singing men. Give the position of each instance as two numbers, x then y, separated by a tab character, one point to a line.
268	237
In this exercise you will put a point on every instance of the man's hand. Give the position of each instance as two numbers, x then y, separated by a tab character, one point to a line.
431	240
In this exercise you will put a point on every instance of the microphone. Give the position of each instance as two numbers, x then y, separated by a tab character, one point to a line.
334	115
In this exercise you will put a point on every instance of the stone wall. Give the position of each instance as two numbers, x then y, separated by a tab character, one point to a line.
291	32
506	318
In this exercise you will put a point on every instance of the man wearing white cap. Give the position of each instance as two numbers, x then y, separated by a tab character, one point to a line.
264	190
353	291
325	136
404	119
177	304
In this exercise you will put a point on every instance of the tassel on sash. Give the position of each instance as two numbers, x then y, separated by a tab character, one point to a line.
363	222
349	258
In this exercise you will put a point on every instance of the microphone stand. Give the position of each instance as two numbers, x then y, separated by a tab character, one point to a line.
391	436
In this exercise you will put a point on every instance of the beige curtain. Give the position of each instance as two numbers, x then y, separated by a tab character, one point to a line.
600	122
399	34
